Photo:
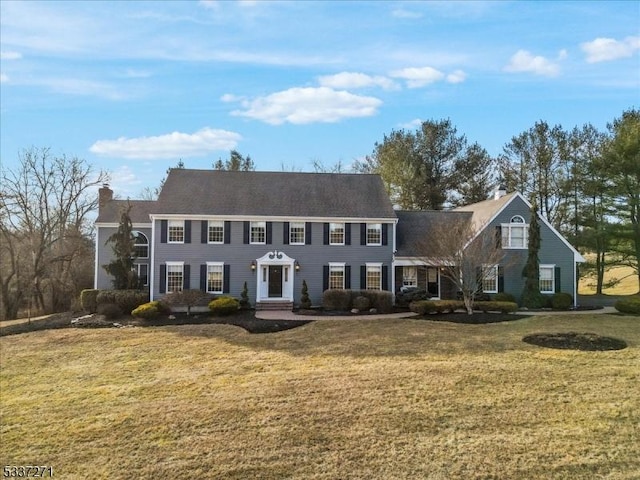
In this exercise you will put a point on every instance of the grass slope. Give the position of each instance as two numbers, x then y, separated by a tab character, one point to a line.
376	399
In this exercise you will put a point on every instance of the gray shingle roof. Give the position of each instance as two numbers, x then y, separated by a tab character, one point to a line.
213	192
110	212
412	225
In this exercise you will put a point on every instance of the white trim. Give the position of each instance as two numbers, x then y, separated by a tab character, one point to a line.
372	265
272	218
553	277
95	267
115	224
148	244
166	280
175	225
409	261
218	222
366	234
341	266
344	233
262	225
304	233
275	258
496	269
206	281
152	265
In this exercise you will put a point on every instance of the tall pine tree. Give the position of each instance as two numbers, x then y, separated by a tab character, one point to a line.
121	267
531	296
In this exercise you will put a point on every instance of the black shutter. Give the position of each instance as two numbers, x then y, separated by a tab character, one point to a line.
226	278
500	279
347	234
557	278
163	231
285	233
269	233
307	233
204	231
479	279
187	231
363	234
186	277
385	277
326	233
227	232
163	277
325	278
498	234
385	234
347	277
363	277
246	233
203	277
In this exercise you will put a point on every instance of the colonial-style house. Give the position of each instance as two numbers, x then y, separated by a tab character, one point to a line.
215	230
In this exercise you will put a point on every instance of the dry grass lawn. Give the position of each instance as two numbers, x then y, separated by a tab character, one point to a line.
376	399
628	284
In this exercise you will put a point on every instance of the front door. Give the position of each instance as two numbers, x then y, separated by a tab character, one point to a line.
275	281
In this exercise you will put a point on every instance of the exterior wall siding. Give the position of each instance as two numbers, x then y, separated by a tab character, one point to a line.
105	255
312	258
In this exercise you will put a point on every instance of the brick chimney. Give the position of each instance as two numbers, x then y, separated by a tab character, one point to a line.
105	194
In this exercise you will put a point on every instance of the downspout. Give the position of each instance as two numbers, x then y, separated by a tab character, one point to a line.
152	267
95	267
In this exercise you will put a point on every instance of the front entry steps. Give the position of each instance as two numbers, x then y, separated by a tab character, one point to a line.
275	305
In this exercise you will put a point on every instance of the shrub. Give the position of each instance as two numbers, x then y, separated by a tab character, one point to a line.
305	301
335	299
127	300
448	306
533	300
188	298
494	306
244	297
403	299
561	301
89	300
222	306
381	300
110	310
629	305
422	307
504	297
361	303
150	310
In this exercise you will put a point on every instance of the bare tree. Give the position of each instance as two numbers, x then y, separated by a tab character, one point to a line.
44	205
462	252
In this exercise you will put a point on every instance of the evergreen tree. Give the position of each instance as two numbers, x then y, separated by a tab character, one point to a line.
235	163
531	296
121	267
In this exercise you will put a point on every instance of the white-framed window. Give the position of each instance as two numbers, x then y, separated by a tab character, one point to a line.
547	279
374	276
142	272
175	276
374	234
410	276
490	278
176	231
514	233
336	276
258	233
215	232
296	233
140	245
336	234
215	277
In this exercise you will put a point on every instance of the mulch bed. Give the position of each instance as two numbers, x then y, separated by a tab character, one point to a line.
478	318
575	341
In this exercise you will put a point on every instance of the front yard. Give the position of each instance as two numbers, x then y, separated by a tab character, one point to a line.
331	399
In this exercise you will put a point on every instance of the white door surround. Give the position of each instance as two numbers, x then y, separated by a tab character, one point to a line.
276	270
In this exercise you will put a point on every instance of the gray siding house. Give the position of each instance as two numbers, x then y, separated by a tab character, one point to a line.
215	230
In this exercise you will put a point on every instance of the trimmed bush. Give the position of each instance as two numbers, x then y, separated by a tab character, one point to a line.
381	300
493	306
127	300
150	310
305	301
335	299
361	303
533	300
448	306
89	300
504	297
628	305
110	310
223	306
188	298
561	301
422	307
403	299
244	297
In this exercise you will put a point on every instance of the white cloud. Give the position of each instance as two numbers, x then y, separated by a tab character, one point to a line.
346	80
230	97
607	49
457	76
75	86
415	123
309	105
10	55
124	181
3	78
418	77
402	13
210	4
171	145
524	61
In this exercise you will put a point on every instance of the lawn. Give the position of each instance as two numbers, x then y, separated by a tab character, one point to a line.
370	399
628	284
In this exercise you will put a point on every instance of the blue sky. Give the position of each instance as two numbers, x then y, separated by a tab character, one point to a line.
132	87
